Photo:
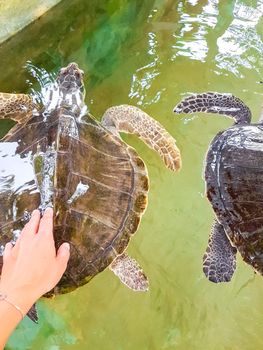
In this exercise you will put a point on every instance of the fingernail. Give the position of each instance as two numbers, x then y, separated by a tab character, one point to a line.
67	245
8	244
34	212
49	210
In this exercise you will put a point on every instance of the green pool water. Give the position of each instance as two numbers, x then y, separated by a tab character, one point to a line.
151	54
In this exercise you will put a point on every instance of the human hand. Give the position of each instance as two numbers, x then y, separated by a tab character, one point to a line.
32	267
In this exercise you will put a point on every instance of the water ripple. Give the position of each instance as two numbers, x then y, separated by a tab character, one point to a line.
191	41
240	45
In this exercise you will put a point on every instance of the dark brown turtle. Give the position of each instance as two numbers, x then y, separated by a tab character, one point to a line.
60	156
234	185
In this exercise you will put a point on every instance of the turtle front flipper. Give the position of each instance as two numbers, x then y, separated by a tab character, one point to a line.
219	261
130	273
18	107
213	102
132	120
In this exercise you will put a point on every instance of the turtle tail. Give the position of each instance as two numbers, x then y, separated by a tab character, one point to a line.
213	102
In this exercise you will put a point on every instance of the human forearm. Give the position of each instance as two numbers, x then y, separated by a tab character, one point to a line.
30	269
10	315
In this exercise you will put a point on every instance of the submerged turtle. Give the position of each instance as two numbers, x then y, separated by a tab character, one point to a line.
234	185
59	155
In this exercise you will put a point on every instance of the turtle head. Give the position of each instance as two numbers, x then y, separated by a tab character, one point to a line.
71	86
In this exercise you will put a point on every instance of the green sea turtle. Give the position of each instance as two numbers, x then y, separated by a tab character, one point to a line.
59	155
234	186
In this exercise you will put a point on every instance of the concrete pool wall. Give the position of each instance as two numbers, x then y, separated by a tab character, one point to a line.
17	14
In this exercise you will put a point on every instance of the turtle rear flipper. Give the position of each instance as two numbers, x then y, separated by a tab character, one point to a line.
219	261
130	273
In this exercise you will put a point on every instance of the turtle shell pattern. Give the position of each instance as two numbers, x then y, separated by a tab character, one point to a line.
99	191
234	177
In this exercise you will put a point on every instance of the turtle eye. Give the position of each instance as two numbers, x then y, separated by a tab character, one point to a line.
63	72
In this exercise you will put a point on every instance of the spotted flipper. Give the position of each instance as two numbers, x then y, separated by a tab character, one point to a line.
132	120
18	107
213	102
130	273
32	313
219	261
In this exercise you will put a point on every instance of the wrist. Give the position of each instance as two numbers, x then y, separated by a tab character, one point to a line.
4	298
19	297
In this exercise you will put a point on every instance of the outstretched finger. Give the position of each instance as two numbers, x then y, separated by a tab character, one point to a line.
46	223
7	251
29	230
63	254
31	227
